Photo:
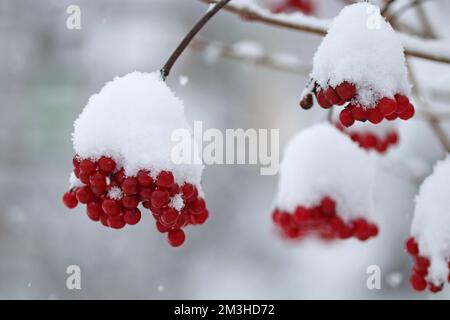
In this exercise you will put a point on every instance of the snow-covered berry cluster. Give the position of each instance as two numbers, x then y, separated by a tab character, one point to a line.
352	69
282	6
429	243
420	269
113	199
123	161
322	221
315	195
370	138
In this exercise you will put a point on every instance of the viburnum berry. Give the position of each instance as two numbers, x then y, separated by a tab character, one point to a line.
130	202
322	100
116	222
387	106
346	118
70	199
418	282
165	180
132	216
106	165
94	210
176	237
358	113
281	6
87	166
169	217
374	115
346	91
332	96
159	198
111	207
84	195
130	186
144	179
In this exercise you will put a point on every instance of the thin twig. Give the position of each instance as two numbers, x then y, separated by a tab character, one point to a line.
270	61
165	71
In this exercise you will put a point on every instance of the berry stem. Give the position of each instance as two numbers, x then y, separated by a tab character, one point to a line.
165	71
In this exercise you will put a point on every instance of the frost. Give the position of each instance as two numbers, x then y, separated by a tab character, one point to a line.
322	161
362	48
132	120
431	223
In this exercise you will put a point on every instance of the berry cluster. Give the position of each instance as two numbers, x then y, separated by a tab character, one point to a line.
305	6
370	141
345	94
420	269
321	221
112	198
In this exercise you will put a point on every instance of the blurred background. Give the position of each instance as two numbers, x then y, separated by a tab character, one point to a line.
48	72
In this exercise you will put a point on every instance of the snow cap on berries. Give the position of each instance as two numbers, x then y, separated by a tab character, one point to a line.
320	162
431	223
132	120
363	49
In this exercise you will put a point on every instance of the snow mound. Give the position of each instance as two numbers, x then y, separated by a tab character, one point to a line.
322	161
362	48
132	120
431	223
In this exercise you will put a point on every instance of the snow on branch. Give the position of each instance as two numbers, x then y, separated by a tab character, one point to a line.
433	50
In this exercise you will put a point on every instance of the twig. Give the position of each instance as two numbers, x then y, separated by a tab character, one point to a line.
165	71
276	62
386	7
320	26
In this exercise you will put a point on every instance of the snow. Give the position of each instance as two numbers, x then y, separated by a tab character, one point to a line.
362	48
115	193
74	182
177	202
132	120
322	161
431	223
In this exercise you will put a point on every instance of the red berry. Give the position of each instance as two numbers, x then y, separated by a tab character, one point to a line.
130	202
159	198
106	165
373	230
111	207
197	206
165	179
346	118
70	199
201	218
94	210
145	194
104	219
422	264
387	106
346	91
332	96
176	237
144	179
435	289
119	176
98	180
369	141
189	191
361	229
418	282
402	103
116	222
284	220
358	112
411	247
161	228
374	115
322	100
84	177
302	214
84	195
132	217
328	206
392	138
169	217
391	117
408	113
130	186
76	162
87	166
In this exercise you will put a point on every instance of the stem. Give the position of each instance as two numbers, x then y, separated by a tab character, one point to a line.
165	71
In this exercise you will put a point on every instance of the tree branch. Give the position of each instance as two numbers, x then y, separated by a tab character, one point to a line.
165	71
438	51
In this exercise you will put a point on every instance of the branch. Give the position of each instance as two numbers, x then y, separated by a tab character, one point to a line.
433	50
280	62
165	71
